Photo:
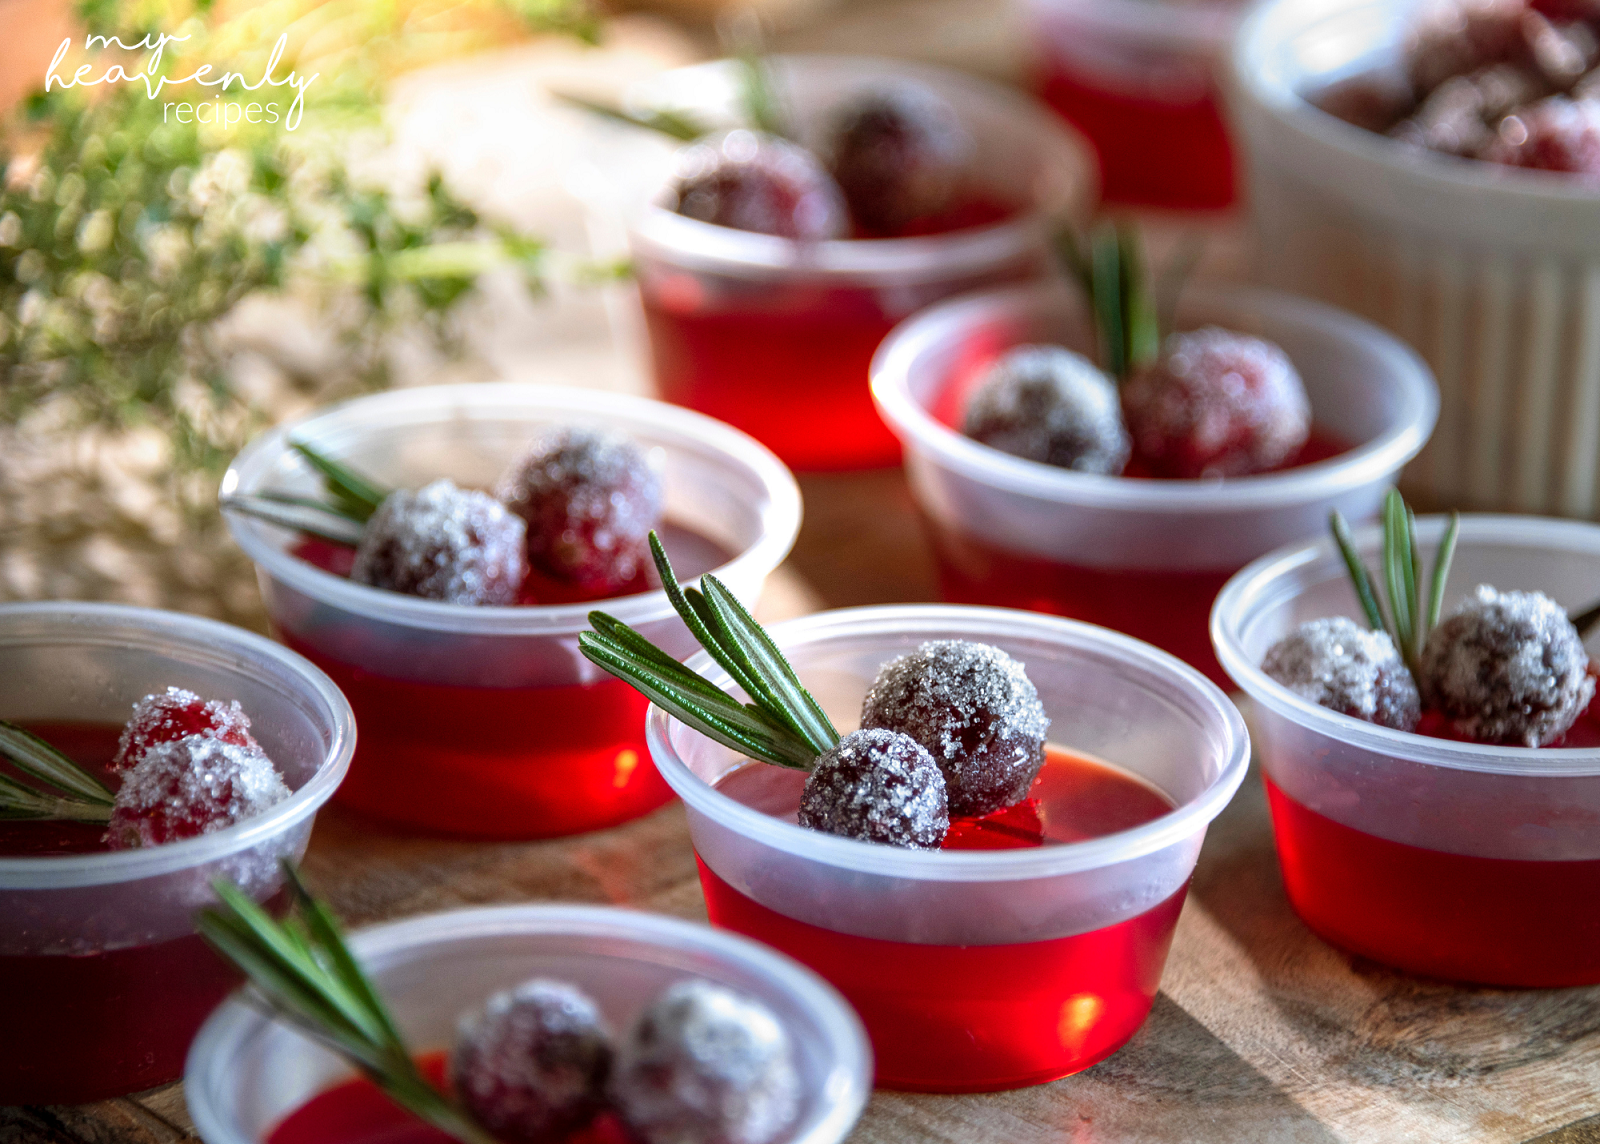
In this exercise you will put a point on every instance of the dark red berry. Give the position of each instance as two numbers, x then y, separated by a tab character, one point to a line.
974	709
443	543
706	1065
1216	403
1048	404
531	1066
877	786
1461	36
749	181
1339	665
899	154
590	499
1555	134
176	714
188	787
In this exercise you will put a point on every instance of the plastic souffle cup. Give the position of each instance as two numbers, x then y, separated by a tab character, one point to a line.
247	1072
488	721
1489	271
1141	80
988	969
1465	861
106	980
1142	556
774	336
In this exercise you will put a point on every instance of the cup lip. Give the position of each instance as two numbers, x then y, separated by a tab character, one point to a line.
663	234
781	520
965	865
1248	585
221	643
841	1099
1200	27
1373	461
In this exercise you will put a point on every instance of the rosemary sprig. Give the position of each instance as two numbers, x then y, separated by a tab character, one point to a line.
341	519
304	973
1109	264
52	786
354	495
674	124
782	724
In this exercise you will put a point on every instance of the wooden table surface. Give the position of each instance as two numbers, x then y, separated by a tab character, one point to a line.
1261	1032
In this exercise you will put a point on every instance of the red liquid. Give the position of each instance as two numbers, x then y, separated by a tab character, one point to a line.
981	1018
1495	921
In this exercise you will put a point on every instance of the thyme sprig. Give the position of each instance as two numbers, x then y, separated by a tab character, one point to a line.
51	786
341	518
782	724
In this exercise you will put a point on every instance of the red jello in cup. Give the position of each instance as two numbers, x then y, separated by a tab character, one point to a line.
1465	861
106	980
1031	946
486	721
1144	556
774	336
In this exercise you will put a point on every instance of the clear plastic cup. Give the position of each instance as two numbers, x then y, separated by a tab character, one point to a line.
106	980
1140	79
488	721
1458	860
774	336
975	970
247	1072
1146	557
1487	270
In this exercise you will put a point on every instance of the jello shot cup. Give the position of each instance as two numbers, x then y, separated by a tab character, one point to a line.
106	980
980	969
1143	556
1465	861
248	1074
774	336
486	721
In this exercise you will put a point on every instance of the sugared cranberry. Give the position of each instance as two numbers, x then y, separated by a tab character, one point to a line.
877	786
1455	37
974	709
1458	117
1555	134
443	543
1216	403
750	181
1048	404
706	1065
899	154
1507	667
590	499
176	714
192	786
1346	668
531	1066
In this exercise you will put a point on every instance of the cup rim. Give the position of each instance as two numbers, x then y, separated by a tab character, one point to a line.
781	520
1247	587
842	1096
966	865
221	643
1203	27
1353	469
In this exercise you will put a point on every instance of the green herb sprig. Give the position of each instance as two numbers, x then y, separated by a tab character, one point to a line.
341	518
782	724
1109	264
673	124
51	787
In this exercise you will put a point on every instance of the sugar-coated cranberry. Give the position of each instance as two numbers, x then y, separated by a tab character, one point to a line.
187	787
706	1065
899	154
1507	667
1048	404
590	499
1216	403
1555	134
877	786
1460	115
974	709
176	714
1455	37
1344	667
531	1066
750	181
443	543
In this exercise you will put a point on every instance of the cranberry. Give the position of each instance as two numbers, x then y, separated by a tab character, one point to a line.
1462	36
590	499
899	154
707	1065
1555	134
187	787
1339	665
1216	403
749	181
877	786
974	709
176	714
532	1064
443	543
1048	404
